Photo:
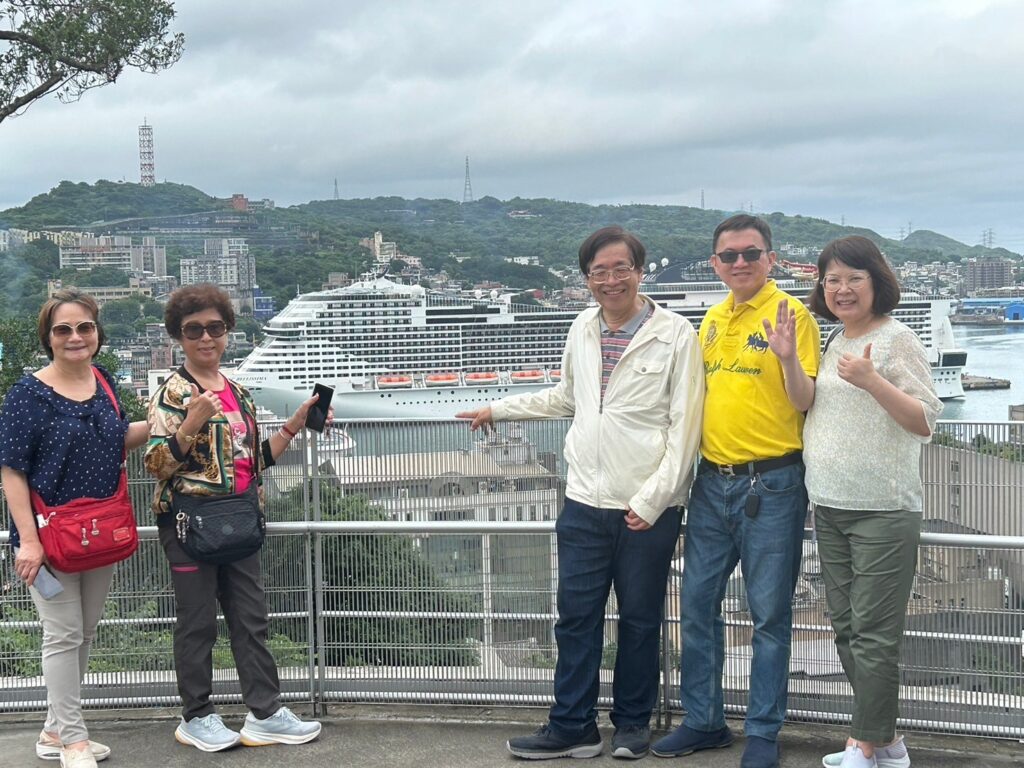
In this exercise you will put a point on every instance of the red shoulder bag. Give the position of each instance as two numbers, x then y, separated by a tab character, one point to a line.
88	533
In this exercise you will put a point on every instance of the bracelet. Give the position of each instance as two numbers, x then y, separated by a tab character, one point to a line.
287	432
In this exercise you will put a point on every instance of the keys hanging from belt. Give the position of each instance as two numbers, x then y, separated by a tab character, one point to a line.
753	503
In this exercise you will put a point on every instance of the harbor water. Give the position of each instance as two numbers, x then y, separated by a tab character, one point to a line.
996	352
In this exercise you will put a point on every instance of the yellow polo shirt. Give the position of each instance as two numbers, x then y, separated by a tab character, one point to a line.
747	415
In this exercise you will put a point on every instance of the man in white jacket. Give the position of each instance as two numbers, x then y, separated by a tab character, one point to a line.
633	382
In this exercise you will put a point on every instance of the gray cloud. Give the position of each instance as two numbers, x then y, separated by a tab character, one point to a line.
883	113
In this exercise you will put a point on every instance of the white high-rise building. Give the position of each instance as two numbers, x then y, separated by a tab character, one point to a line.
225	262
115	251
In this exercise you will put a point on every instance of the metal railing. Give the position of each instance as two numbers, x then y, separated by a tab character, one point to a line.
419	565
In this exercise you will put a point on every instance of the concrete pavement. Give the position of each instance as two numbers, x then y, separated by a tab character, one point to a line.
441	737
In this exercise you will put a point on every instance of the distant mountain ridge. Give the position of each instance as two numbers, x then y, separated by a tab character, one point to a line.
549	230
927	240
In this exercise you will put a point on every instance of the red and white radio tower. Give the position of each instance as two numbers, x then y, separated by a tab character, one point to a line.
147	168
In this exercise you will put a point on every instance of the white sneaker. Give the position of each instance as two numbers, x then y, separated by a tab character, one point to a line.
854	758
206	733
48	748
282	727
882	757
77	758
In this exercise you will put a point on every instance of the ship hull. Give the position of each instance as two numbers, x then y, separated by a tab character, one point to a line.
412	403
444	402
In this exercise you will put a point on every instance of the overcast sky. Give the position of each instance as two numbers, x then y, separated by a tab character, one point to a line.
888	114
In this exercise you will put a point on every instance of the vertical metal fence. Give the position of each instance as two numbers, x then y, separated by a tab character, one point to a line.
415	562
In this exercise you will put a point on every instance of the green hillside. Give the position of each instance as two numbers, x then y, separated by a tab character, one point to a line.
470	242
925	239
552	230
71	204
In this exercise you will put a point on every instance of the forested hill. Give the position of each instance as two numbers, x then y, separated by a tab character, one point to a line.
487	229
552	230
71	204
927	240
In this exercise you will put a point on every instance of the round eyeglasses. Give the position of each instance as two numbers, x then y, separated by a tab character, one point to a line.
602	275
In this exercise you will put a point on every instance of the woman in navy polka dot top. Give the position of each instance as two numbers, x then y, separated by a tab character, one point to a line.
61	436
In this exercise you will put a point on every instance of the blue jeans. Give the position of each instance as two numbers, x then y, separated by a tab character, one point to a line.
595	551
768	547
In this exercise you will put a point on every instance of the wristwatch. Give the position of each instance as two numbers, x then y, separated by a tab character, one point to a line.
189	439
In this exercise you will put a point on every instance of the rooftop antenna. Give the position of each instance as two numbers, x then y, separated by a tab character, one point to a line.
147	168
335	187
467	189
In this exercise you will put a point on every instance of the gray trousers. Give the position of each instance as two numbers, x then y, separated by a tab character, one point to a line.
238	587
69	622
868	559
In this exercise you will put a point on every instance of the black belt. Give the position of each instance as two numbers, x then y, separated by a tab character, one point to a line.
752	467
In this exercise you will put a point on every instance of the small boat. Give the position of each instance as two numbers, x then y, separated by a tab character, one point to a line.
554	375
525	377
481	377
441	379
394	382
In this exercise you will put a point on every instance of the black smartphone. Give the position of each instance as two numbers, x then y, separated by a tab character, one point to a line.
316	416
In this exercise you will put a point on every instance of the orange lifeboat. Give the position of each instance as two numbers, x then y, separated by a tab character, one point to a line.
526	377
394	381
482	377
555	375
441	379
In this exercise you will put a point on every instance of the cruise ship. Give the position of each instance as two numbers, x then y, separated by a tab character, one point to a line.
394	351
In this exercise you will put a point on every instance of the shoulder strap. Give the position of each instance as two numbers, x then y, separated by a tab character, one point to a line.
113	401
106	388
831	337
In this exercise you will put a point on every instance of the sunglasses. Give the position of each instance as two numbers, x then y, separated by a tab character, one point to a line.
750	256
195	331
64	330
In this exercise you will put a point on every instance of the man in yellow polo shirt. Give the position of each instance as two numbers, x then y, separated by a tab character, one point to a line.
748	501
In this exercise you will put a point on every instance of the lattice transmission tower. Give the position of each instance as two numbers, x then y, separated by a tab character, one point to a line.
467	190
147	166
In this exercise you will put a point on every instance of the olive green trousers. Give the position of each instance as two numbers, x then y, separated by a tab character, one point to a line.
868	559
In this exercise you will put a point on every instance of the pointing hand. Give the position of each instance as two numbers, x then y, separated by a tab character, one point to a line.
480	418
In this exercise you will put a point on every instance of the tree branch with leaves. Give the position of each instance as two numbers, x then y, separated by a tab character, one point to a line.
68	48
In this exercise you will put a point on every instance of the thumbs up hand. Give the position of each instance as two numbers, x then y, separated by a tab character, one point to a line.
859	371
200	408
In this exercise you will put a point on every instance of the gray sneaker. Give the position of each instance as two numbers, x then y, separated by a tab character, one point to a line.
631	742
206	733
282	727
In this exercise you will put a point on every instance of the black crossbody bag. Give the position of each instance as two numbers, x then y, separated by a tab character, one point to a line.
219	529
224	528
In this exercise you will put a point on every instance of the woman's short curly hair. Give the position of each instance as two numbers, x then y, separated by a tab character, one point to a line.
190	299
68	296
